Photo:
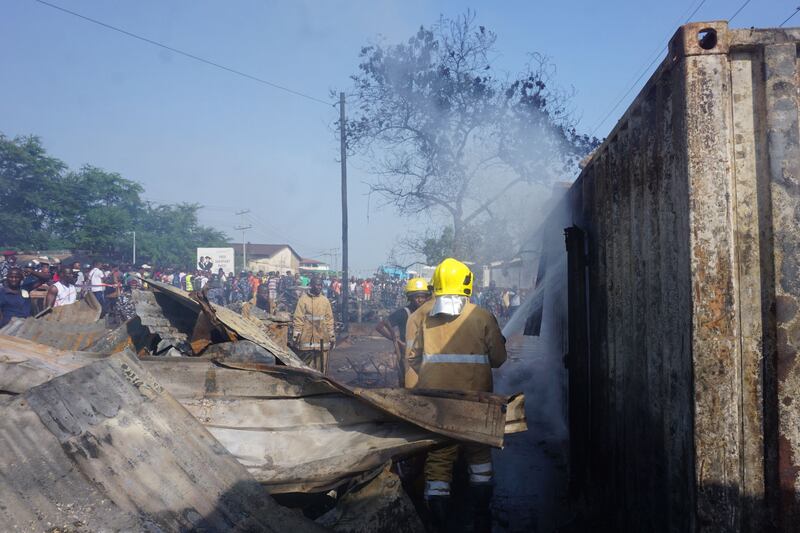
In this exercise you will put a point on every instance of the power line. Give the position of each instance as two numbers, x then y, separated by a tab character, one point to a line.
790	17
267	229
738	11
186	54
661	50
270	228
270	231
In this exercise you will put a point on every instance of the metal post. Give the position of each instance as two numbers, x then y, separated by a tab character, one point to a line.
134	248
345	277
244	242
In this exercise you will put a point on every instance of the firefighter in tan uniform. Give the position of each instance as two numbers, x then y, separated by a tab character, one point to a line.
453	345
393	327
313	333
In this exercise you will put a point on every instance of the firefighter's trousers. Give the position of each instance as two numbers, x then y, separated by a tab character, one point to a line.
439	467
316	359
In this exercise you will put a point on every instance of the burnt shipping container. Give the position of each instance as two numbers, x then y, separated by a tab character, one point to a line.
683	299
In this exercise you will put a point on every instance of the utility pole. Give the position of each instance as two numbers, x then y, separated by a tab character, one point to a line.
243	228
345	277
134	248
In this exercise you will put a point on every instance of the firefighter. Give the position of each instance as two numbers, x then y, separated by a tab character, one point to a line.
393	327
313	333
453	345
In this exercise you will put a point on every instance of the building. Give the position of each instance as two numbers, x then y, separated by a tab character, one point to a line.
421	270
519	272
270	257
313	265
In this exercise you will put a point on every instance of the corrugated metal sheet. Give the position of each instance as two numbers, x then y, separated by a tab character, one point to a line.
128	335
236	323
84	311
25	364
298	431
172	322
65	336
105	448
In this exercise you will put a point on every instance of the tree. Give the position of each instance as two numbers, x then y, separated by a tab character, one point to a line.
436	248
29	181
98	209
46	206
170	234
481	244
446	135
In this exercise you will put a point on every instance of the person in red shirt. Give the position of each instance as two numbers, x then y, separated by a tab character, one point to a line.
255	281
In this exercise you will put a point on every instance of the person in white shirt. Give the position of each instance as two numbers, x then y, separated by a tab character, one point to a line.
514	301
63	291
96	285
80	279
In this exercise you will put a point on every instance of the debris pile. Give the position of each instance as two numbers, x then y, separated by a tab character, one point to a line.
189	416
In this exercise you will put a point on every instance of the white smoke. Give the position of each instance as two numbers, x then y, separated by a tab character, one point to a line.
532	471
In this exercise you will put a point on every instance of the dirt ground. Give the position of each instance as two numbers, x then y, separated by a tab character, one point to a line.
531	471
364	359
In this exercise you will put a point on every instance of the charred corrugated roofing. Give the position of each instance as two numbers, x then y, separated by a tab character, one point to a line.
235	322
105	447
165	318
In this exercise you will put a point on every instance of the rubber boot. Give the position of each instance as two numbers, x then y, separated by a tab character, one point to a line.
479	511
439	507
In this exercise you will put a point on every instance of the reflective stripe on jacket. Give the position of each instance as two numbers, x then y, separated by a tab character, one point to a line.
453	352
477	359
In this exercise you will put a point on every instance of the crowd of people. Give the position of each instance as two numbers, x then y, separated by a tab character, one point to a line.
47	282
501	302
41	283
284	288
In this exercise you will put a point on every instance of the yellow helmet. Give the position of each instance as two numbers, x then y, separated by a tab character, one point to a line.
452	277
417	285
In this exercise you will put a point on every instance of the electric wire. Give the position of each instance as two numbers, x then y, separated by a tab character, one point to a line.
661	50
266	229
790	17
744	5
187	54
271	229
260	226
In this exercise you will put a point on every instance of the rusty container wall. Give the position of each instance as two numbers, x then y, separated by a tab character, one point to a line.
691	212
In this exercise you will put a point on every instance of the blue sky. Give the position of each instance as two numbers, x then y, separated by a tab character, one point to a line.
190	132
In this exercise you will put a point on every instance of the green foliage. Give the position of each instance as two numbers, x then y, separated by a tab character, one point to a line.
45	206
97	208
169	234
28	180
438	247
481	244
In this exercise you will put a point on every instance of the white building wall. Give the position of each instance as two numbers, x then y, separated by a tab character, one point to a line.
281	262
